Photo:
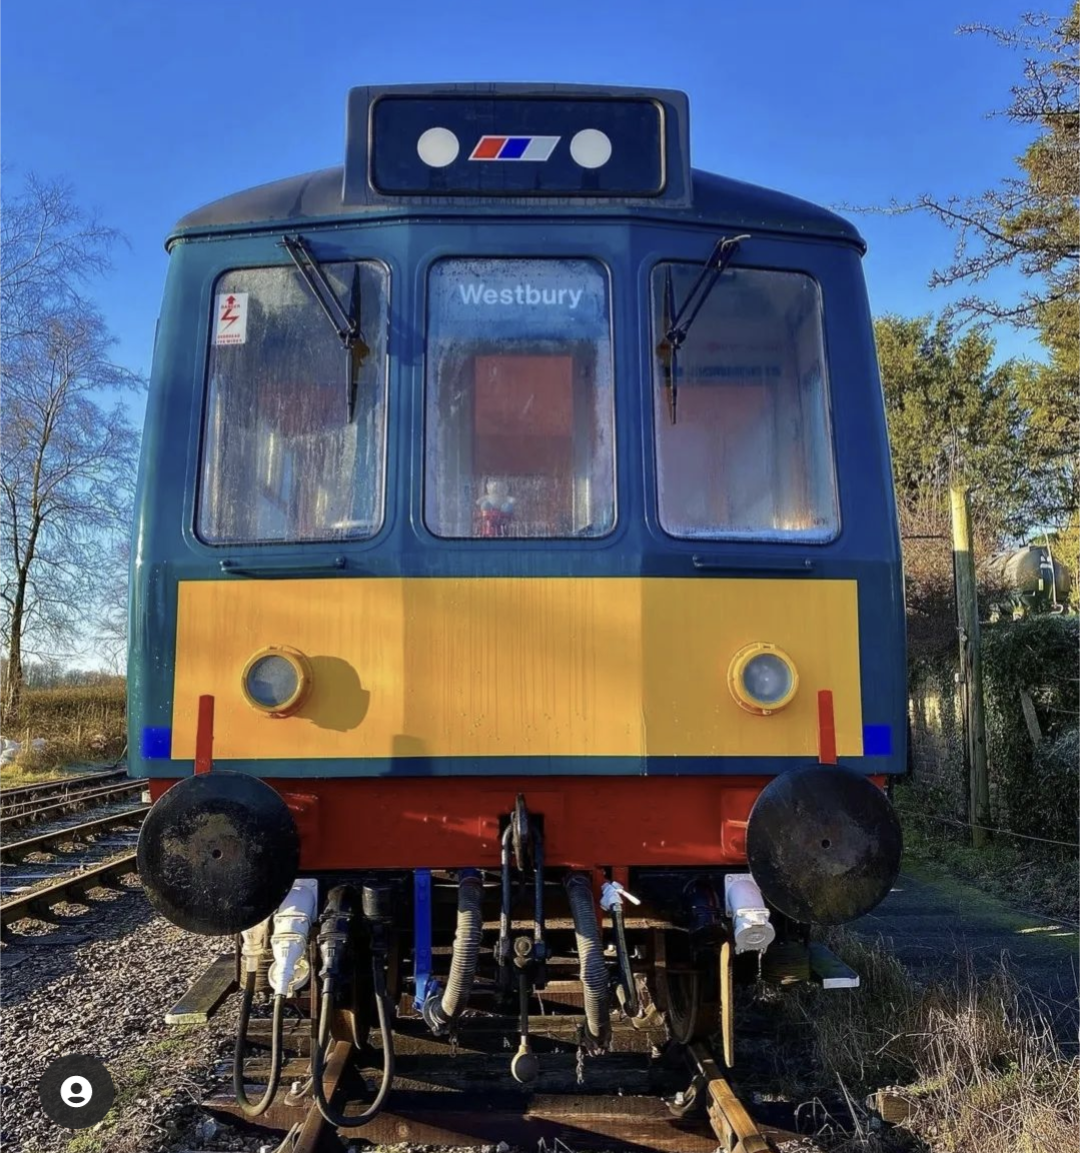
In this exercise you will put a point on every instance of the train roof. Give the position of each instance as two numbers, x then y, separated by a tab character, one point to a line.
317	197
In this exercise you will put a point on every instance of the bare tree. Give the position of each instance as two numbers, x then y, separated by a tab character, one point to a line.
1029	221
66	479
51	247
67	447
112	619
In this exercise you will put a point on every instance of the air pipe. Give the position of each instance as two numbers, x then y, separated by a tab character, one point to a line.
442	1009
594	978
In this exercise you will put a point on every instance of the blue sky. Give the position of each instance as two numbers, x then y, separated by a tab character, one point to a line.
151	108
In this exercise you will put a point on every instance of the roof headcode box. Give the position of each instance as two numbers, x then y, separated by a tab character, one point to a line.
491	142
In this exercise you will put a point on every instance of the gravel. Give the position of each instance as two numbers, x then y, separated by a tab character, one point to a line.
108	997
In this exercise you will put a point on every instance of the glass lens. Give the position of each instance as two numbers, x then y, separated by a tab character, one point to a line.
272	681
767	679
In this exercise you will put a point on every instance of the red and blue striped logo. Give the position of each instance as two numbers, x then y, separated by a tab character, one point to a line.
514	147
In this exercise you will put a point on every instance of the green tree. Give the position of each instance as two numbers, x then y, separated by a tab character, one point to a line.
1030	222
953	415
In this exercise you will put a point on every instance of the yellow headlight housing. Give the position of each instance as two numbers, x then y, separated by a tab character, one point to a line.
276	680
762	678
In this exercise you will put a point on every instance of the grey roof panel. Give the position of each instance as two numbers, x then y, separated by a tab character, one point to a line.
317	197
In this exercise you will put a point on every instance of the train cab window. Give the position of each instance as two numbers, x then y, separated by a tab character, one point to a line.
743	440
520	405
284	458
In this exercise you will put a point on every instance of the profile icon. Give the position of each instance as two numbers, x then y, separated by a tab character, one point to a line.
76	1091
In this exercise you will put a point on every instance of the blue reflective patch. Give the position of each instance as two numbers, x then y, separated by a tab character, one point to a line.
877	740
514	148
156	744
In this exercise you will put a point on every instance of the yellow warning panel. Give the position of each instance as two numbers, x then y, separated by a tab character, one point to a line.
515	666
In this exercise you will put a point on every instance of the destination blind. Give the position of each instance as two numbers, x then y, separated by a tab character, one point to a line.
513	146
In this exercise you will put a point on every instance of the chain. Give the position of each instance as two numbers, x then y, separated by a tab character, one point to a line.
579	1068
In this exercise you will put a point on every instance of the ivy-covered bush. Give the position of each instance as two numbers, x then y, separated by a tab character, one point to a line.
936	731
1057	778
1035	789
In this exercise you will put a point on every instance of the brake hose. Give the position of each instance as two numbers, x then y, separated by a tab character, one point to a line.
277	1024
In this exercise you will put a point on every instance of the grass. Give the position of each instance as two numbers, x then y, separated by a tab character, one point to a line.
134	1079
79	724
976	1064
1041	878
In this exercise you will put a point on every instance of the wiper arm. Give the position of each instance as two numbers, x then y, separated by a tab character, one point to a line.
677	324
346	323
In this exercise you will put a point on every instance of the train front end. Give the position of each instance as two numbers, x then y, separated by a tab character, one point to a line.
515	532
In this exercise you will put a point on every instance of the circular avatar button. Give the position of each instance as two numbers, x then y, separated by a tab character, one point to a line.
76	1091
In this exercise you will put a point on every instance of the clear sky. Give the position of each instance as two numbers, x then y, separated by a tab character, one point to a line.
152	108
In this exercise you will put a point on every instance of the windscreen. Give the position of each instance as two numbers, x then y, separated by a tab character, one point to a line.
282	460
519	412
744	448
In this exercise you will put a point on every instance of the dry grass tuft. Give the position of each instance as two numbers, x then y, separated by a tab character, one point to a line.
79	724
977	1060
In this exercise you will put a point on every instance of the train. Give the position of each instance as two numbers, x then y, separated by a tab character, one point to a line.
516	577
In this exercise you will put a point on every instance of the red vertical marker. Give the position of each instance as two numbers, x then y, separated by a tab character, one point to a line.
204	736
826	728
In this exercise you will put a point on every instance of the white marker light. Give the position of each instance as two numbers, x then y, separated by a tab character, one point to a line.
438	147
591	148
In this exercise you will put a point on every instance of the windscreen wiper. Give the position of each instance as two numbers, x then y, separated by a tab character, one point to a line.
677	323
345	322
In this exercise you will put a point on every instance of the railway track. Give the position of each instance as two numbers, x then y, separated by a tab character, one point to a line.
32	886
34	796
38	903
645	1095
32	813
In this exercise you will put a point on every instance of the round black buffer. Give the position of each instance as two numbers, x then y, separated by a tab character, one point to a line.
823	844
218	852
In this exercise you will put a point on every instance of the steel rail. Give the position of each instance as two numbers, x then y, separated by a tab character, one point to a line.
38	902
15	798
736	1130
69	804
43	842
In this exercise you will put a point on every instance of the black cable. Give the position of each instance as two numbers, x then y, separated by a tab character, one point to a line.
319	1044
632	1006
264	1102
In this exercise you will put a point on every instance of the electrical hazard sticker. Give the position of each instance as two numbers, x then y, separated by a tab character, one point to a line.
230	319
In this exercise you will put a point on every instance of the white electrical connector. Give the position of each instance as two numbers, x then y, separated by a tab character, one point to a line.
292	926
256	941
612	894
750	918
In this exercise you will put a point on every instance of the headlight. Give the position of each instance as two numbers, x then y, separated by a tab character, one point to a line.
762	678
276	680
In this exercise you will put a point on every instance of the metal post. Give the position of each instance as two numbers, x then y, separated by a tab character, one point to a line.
971	687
